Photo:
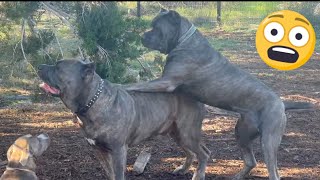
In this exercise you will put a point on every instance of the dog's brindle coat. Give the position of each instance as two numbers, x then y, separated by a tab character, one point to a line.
119	118
195	68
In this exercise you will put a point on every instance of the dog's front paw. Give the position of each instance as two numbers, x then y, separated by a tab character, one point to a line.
180	170
198	176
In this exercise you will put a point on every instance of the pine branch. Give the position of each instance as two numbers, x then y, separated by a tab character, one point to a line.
58	42
23	33
22	38
60	15
104	54
80	51
64	14
146	70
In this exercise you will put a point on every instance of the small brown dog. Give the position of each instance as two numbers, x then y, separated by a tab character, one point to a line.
21	163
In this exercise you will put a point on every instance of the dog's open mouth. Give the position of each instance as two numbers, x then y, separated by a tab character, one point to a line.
49	89
283	54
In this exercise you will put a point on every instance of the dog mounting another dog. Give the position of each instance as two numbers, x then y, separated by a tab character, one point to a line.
114	119
21	154
195	68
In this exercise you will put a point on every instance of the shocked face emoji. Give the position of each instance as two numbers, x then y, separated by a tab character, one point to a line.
285	40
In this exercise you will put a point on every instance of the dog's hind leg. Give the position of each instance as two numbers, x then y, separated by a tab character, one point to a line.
273	127
246	131
202	157
183	169
191	140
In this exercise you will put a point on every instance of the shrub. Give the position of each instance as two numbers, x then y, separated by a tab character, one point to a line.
109	37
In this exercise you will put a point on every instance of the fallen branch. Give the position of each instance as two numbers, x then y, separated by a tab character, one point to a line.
141	162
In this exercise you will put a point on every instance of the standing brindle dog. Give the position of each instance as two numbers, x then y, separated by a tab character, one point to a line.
195	68
114	119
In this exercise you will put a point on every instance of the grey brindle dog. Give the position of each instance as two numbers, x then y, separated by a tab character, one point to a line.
194	67
114	119
21	157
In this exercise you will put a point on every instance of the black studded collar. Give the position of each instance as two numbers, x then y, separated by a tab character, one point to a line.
84	109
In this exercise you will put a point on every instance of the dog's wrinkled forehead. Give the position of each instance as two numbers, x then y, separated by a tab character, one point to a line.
160	16
69	65
69	62
166	18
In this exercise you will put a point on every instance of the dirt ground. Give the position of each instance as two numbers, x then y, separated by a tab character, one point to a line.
70	157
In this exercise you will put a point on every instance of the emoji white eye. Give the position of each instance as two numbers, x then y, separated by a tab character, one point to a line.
274	32
299	36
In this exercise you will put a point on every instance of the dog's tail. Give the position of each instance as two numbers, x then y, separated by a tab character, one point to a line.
297	105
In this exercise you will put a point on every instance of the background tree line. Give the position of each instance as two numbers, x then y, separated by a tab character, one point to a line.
106	35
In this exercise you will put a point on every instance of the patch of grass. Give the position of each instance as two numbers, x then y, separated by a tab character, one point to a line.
12	91
225	44
204	16
16	77
244	16
128	4
6	92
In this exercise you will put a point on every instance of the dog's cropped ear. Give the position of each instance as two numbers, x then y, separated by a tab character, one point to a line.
162	10
86	60
175	17
88	70
18	152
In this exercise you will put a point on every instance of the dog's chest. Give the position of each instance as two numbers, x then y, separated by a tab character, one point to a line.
87	126
99	142
92	135
89	135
